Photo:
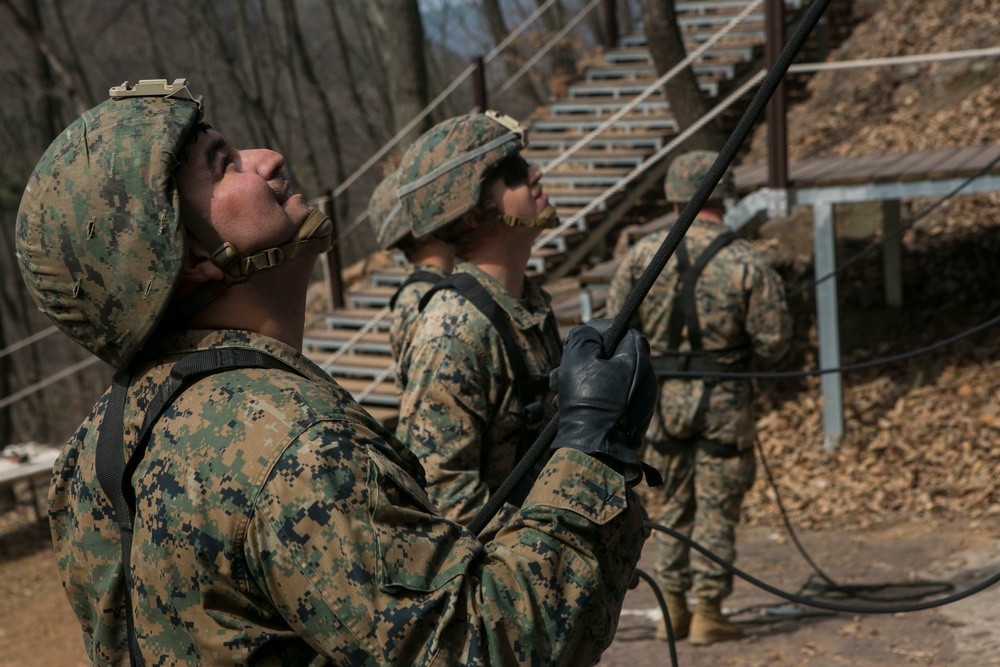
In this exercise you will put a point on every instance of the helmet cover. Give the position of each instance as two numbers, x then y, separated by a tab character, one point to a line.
687	172
385	214
99	239
441	175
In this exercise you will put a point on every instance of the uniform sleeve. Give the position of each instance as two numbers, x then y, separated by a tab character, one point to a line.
768	322
442	417
349	550
622	283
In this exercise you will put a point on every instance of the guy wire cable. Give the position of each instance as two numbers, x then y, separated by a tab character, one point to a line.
619	327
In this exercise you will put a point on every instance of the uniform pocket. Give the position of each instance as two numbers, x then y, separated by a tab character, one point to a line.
418	549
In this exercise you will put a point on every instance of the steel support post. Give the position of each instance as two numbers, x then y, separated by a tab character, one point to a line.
892	254
827	320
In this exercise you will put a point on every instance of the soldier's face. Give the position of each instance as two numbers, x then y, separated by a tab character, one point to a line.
516	188
241	193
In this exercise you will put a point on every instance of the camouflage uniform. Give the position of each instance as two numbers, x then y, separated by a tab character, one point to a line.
461	414
275	521
740	300
278	523
406	316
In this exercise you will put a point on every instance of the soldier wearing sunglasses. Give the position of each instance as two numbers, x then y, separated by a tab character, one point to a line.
478	367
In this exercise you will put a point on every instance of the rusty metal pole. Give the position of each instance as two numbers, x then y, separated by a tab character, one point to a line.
334	277
774	114
479	83
610	9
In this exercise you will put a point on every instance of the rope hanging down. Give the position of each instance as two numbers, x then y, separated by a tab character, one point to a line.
619	326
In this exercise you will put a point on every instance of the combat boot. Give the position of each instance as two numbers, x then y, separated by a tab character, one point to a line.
680	617
709	625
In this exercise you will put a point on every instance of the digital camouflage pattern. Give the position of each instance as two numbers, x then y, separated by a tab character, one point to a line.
99	238
461	414
701	497
441	175
740	301
384	214
688	171
277	523
406	316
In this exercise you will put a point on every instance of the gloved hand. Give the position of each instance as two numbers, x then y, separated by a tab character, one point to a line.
605	405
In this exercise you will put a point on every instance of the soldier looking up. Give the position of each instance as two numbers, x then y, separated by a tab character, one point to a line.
226	502
431	260
478	370
713	310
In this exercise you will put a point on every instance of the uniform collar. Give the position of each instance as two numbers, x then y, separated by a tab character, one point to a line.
528	312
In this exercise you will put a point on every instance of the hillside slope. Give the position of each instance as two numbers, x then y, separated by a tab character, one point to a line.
923	436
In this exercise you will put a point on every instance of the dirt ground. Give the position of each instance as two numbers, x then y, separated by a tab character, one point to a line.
38	628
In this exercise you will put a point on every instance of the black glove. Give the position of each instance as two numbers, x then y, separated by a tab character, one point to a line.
605	405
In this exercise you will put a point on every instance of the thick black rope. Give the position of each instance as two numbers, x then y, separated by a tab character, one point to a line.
619	327
822	604
874	363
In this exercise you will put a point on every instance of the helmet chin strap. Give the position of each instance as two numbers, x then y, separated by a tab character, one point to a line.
547	219
236	268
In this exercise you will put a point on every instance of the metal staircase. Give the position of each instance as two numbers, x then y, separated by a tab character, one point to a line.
599	92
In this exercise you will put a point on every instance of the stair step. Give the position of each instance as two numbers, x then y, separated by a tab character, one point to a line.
563	240
569	176
581	193
354	365
607	106
587	158
331	340
366	297
355	318
627	89
583	124
607	140
390	276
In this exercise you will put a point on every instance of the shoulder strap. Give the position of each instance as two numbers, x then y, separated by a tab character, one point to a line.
415	277
466	285
686	312
115	474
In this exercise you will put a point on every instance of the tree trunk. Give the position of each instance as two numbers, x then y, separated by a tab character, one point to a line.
511	58
687	103
401	32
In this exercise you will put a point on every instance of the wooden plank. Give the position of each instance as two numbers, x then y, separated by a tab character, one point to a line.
972	160
900	166
927	163
811	171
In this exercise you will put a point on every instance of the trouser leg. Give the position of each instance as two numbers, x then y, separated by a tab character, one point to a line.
719	487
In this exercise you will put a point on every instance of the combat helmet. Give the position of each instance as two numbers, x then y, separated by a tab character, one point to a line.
385	215
441	176
688	171
100	237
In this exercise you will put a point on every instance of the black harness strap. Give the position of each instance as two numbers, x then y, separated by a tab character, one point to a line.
419	276
685	312
115	474
528	389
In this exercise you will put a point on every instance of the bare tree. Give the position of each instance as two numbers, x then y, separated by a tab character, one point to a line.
513	59
402	40
666	45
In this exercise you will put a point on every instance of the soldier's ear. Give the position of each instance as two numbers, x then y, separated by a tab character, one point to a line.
198	265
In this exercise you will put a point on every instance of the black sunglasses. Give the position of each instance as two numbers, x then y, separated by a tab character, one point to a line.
514	170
